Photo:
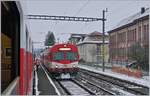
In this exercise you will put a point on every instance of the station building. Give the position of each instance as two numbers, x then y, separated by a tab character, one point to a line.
131	30
90	46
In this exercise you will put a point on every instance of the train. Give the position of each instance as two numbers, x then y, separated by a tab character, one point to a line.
16	50
61	61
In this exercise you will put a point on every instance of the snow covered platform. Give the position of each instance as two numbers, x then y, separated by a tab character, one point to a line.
144	82
43	83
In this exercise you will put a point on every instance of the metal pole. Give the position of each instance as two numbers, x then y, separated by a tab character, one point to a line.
103	28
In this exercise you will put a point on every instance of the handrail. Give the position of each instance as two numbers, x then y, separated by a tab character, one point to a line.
11	87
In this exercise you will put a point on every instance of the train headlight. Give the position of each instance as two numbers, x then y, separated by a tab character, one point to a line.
74	65
56	66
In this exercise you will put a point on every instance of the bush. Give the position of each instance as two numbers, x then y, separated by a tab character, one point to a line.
81	60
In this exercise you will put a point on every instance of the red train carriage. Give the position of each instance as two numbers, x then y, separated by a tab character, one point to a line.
61	60
16	52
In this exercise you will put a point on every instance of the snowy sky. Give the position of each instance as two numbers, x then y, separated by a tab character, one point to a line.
117	10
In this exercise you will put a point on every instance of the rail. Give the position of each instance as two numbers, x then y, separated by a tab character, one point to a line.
126	85
73	88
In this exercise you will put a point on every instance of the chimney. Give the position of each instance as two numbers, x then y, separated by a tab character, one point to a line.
142	10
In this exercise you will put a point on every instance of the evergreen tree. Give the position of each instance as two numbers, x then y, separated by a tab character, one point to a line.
50	39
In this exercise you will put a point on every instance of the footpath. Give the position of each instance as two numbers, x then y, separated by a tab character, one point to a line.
42	83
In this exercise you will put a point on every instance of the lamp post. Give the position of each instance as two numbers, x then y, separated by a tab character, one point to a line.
103	29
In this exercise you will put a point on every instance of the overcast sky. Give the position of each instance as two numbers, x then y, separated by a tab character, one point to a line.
117	10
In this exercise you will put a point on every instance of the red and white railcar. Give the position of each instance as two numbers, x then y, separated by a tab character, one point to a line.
61	60
17	63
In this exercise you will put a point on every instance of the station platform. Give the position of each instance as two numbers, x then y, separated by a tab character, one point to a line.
42	84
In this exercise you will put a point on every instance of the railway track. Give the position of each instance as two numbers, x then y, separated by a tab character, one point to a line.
91	83
117	86
96	89
69	87
113	90
73	88
77	87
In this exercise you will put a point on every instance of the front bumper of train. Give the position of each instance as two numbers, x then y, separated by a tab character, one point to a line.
63	70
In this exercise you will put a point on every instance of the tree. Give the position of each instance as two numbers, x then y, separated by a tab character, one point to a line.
140	55
50	39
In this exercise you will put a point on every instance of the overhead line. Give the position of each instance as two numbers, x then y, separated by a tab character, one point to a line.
82	7
63	18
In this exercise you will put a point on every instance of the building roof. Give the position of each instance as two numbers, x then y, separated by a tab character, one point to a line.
131	19
92	42
95	33
77	36
93	38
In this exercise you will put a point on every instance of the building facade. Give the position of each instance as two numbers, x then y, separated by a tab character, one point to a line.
90	49
134	29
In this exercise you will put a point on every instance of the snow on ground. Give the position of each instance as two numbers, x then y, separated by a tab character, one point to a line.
146	78
36	82
141	81
124	93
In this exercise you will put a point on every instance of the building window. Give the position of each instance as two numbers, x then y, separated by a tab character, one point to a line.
135	34
147	33
144	34
139	33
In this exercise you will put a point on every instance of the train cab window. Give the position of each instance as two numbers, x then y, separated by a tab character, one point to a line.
58	56
71	56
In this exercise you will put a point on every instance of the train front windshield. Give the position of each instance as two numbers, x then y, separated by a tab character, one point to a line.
72	56
58	56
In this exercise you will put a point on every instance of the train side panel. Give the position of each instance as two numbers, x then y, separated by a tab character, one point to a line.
14	27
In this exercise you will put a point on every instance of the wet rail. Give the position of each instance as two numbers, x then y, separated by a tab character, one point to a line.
69	87
111	82
73	88
96	89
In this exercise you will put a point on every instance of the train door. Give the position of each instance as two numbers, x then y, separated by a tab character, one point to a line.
10	43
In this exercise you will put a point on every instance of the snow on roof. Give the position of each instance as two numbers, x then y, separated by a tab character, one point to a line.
95	33
94	42
130	19
117	75
87	39
72	35
77	36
